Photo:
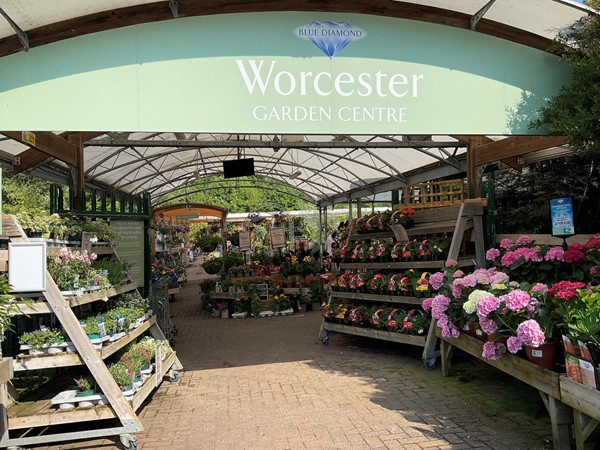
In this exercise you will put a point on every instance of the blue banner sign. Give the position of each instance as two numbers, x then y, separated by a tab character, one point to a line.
561	213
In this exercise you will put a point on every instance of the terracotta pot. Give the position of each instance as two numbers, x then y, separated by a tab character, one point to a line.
478	333
469	330
546	355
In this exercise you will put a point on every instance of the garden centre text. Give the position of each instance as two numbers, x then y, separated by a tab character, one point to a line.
261	78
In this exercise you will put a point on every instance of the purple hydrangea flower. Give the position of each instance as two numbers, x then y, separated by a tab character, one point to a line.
514	344
530	333
492	254
491	351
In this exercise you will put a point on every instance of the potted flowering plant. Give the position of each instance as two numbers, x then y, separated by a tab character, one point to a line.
84	386
122	376
72	269
213	266
579	309
402	217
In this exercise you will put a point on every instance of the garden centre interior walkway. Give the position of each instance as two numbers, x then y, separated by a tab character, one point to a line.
269	383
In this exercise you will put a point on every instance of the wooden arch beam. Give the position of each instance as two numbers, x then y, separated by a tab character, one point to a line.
48	143
35	155
515	146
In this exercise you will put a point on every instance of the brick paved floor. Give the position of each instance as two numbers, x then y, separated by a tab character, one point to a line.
269	383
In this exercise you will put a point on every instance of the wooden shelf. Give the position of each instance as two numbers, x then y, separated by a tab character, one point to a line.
376	334
378	297
42	307
446	226
74	359
464	262
41	412
227	295
377	235
151	383
580	397
536	376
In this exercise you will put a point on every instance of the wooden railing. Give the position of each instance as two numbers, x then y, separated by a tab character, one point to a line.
432	194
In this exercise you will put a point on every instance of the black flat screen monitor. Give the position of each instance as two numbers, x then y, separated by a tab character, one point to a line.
238	168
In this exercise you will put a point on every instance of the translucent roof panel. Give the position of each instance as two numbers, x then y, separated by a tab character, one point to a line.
320	166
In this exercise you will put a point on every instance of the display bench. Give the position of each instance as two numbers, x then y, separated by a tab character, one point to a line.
547	382
37	419
585	402
455	221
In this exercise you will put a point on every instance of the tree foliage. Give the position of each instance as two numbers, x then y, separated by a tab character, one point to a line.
523	198
575	111
24	193
235	195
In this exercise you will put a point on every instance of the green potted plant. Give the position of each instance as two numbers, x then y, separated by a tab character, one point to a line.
113	268
92	327
255	303
34	224
213	266
224	308
40	341
240	308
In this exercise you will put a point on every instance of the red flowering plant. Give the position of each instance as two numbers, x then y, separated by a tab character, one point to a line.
378	283
343	280
356	281
523	259
383	250
579	309
570	301
357	252
402	217
425	248
411	250
396	250
398	284
372	251
356	315
347	251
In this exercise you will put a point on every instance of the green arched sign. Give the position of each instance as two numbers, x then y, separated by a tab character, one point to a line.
280	73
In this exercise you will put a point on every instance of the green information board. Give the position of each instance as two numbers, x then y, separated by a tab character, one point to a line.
130	247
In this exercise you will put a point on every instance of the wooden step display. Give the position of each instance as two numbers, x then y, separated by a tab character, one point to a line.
456	220
21	418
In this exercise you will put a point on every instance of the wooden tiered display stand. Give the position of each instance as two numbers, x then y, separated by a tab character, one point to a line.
457	220
35	420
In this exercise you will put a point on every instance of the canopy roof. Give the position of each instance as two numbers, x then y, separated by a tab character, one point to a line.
188	212
325	168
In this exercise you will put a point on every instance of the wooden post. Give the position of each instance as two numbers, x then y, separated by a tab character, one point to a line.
586	429
561	418
446	353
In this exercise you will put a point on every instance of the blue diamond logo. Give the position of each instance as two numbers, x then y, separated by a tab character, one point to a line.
330	37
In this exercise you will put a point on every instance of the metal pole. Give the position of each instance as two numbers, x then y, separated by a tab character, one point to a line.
350	209
320	233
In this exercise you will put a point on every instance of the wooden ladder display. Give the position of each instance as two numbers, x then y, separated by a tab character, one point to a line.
38	415
455	219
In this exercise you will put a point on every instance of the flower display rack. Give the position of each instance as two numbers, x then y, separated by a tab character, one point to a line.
34	420
455	220
568	403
